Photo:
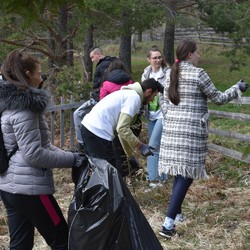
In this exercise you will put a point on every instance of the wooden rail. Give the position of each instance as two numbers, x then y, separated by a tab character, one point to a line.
241	137
62	109
69	108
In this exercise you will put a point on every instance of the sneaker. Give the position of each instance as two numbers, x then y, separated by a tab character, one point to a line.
152	186
179	218
168	233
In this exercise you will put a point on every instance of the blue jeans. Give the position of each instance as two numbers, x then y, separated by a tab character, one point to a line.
154	133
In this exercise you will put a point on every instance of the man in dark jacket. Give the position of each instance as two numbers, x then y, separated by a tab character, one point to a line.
102	63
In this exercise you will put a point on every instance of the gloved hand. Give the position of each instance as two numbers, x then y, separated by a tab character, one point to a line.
243	86
146	150
79	159
78	167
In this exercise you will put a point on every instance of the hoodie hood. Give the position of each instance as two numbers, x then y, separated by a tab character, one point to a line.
13	98
118	76
136	87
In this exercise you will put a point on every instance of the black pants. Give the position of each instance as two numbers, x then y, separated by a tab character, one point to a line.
27	212
120	156
97	147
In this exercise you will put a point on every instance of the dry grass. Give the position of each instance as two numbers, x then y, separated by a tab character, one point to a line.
217	211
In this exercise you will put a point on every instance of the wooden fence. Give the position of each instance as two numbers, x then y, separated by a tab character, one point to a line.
69	108
204	35
61	110
241	137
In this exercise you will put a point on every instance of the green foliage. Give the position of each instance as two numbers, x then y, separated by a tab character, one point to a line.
231	17
219	14
69	82
225	171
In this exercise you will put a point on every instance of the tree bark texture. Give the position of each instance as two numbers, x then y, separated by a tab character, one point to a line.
125	42
87	63
168	46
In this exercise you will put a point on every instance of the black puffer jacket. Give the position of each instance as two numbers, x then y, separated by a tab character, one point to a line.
101	67
23	123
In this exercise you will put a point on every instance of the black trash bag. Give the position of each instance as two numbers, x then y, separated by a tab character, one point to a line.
103	215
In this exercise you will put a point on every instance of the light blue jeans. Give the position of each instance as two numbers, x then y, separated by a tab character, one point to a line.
154	133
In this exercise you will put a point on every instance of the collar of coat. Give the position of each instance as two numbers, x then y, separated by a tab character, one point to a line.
13	98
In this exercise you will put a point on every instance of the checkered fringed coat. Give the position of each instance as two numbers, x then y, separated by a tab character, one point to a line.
185	132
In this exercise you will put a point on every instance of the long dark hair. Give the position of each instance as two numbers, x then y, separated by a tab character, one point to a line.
16	65
182	52
116	64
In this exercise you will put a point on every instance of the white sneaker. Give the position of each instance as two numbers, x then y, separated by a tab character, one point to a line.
159	184
152	186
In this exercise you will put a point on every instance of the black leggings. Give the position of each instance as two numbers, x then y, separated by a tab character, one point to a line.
180	188
27	212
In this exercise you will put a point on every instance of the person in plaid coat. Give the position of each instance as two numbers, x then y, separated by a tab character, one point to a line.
184	139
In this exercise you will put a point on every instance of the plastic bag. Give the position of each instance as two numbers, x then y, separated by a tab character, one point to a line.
104	215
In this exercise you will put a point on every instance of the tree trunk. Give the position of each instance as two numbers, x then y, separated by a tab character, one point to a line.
125	51
87	63
133	44
51	45
125	43
70	53
140	36
63	49
168	46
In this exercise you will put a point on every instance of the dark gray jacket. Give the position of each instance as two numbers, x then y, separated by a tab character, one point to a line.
23	123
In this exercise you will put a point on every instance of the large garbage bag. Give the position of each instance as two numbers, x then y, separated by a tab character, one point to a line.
103	215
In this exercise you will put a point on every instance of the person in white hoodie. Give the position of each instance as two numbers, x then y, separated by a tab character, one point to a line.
114	114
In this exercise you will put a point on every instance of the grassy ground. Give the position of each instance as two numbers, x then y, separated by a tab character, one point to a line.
217	211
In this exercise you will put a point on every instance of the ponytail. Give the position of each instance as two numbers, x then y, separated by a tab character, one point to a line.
173	90
182	51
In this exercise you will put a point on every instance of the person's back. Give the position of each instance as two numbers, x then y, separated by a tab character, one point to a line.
190	84
103	118
114	78
102	63
185	131
114	114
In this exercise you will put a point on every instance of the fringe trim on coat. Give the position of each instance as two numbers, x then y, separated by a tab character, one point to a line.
193	173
